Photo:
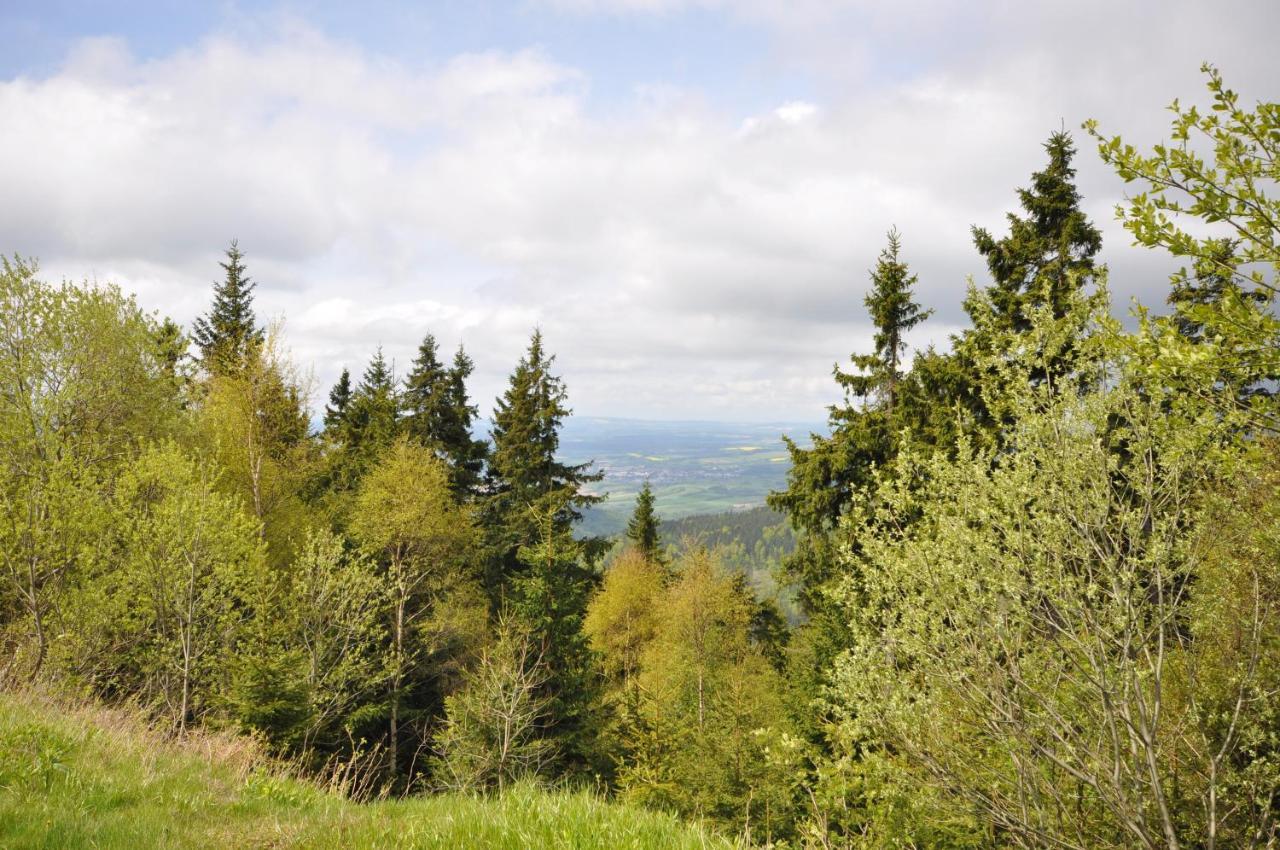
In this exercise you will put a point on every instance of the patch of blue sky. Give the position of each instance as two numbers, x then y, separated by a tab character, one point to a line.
732	64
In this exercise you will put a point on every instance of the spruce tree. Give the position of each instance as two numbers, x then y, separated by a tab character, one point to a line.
538	572
230	330
825	477
642	530
437	413
526	477
467	453
893	313
549	599
171	345
369	425
425	400
1048	253
339	400
372	413
1045	262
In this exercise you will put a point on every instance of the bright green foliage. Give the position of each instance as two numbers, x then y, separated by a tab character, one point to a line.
1230	190
91	778
1213	281
82	381
437	413
228	335
642	529
1229	335
337	608
707	705
335	411
406	518
620	625
1033	641
494	733
254	423
623	615
185	562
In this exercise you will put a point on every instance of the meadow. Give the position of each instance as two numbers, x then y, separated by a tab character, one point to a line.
75	776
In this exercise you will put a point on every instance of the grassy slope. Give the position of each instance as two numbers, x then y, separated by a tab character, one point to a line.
96	778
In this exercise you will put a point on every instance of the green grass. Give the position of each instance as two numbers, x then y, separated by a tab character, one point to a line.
92	777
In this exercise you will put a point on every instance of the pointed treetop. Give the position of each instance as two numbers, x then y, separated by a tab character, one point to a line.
642	530
339	399
525	471
438	414
1049	252
893	312
229	332
377	375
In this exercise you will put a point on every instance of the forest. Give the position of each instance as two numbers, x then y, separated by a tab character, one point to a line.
1029	592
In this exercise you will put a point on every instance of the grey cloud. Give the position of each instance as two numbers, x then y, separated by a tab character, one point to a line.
683	260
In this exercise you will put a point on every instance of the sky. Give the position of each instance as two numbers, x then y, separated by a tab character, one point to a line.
684	195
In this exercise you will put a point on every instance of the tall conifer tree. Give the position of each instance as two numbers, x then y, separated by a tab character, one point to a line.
468	454
538	571
438	414
230	330
1045	262
824	477
1048	253
425	400
526	477
339	400
369	425
642	530
893	313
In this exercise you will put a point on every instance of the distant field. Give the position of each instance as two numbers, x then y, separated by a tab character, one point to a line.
694	467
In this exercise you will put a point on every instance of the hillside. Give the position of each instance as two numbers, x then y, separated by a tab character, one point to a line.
91	777
761	531
753	542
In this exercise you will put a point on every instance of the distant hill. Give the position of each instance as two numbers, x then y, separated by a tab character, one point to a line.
752	542
694	467
761	530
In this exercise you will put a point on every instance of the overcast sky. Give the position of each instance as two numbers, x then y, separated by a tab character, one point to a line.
685	196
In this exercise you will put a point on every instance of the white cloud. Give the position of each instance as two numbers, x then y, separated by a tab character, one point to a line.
683	260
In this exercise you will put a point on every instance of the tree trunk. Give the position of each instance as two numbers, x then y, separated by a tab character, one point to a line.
187	625
397	678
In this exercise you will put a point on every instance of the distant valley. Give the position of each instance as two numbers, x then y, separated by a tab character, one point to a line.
695	467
